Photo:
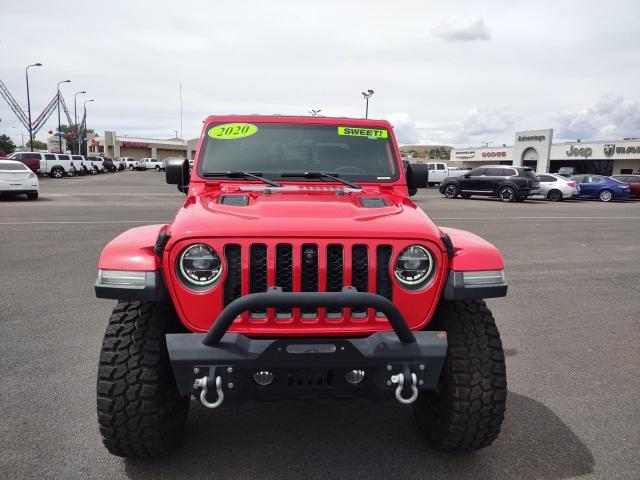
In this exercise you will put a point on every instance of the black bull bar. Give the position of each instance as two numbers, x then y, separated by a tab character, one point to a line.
259	369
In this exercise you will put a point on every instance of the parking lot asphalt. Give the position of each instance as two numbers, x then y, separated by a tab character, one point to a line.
570	328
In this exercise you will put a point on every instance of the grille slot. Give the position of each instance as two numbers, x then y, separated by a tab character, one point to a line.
384	287
360	274
335	274
233	285
258	273
309	274
284	272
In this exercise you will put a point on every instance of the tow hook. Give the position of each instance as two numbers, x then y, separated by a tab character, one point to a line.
203	383
399	379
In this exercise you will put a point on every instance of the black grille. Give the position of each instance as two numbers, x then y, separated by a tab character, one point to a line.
383	279
309	272
232	287
360	272
258	272
284	271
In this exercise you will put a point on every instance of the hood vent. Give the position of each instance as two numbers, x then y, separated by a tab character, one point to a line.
235	200
373	202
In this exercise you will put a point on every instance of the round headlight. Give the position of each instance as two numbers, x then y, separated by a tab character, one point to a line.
200	265
414	266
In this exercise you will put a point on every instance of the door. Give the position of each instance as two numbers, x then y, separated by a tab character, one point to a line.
590	186
493	179
472	181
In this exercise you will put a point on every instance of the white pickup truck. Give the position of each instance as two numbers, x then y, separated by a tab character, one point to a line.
56	166
438	171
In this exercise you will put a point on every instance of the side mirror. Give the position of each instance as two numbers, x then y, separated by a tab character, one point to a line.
177	172
417	175
467	175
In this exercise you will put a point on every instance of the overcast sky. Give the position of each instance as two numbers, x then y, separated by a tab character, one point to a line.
457	72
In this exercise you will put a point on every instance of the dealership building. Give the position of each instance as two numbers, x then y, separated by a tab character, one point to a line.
535	149
112	145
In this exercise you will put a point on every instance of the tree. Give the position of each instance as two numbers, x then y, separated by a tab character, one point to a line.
66	128
6	144
37	145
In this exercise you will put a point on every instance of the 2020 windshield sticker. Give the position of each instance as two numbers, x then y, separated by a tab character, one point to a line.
363	132
232	131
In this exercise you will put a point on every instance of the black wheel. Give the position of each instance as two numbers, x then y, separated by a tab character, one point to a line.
83	170
94	170
140	412
57	172
605	195
32	195
131	167
71	172
554	195
451	191
466	410
507	194
465	195
157	169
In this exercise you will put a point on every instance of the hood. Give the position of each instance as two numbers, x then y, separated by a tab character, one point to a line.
307	211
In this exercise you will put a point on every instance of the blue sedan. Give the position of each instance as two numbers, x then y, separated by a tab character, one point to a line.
603	188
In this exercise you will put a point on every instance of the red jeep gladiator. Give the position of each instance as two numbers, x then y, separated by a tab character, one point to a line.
298	267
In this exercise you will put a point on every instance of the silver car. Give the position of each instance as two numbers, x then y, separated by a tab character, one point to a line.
556	187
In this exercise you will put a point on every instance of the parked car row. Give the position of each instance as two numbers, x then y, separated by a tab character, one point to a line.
511	184
58	165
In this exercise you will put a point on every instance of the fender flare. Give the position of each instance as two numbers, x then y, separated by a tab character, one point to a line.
472	253
133	251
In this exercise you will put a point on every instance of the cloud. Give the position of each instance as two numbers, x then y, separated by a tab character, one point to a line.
462	29
404	128
611	117
487	121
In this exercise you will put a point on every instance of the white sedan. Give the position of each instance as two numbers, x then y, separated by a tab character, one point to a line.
555	187
17	179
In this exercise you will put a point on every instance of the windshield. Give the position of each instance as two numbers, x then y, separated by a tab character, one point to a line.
271	149
6	166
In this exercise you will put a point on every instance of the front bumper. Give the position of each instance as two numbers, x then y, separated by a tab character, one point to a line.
310	367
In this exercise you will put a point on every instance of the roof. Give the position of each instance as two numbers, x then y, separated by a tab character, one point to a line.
299	119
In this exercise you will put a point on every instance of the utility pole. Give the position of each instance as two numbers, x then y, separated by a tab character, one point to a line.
75	115
26	74
59	131
85	128
366	96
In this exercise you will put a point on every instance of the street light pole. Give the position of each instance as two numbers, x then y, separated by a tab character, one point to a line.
21	136
84	116
59	132
26	74
75	117
366	96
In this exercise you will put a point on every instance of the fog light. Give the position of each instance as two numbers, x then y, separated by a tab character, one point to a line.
263	378
354	376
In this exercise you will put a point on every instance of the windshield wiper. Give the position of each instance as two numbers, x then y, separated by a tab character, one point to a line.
332	176
233	174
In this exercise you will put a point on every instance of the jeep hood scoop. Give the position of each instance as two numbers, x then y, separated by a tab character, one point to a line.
305	212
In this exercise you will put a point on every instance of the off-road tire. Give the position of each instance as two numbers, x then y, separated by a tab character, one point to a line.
466	410
140	412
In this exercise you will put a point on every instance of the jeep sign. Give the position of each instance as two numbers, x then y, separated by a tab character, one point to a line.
584	152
